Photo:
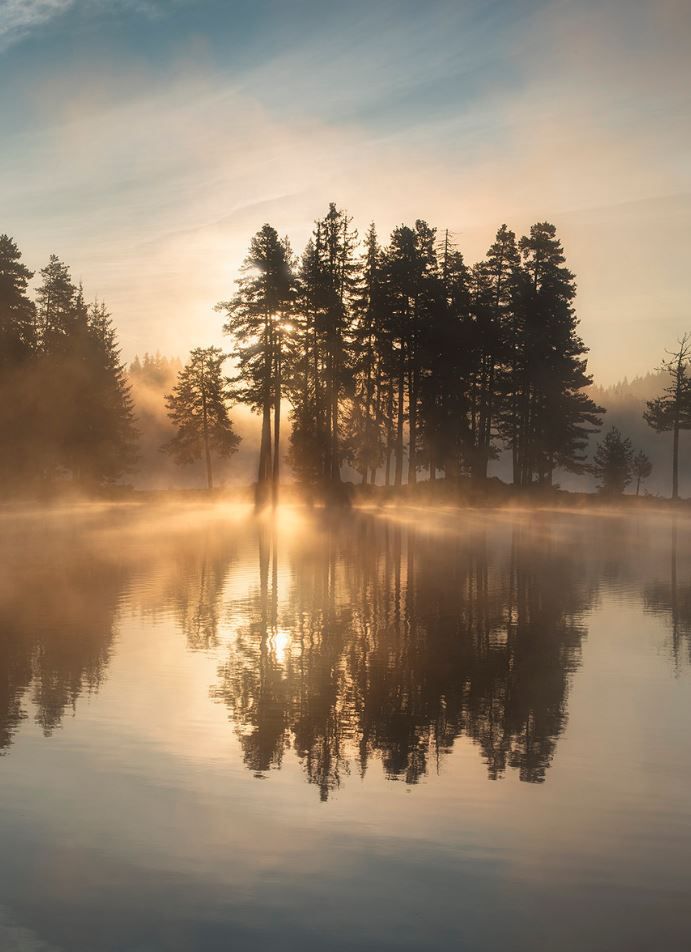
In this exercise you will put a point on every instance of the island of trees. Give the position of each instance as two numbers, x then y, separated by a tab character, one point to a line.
396	362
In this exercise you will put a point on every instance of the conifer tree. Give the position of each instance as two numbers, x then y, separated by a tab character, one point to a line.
552	416
322	373
447	367
642	469
57	310
84	420
17	311
498	286
671	412
613	463
366	429
258	321
410	267
198	408
17	353
108	434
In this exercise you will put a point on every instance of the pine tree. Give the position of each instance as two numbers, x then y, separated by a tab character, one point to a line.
57	314
258	320
446	356
17	311
17	350
84	415
553	414
613	463
672	410
198	408
642	469
338	285
106	422
368	345
322	371
500	275
410	267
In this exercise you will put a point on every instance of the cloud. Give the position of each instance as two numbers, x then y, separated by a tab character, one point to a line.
20	17
150	182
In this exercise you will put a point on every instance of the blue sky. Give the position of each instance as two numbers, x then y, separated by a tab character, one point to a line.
145	141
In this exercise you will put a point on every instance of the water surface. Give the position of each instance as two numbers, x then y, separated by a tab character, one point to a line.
370	730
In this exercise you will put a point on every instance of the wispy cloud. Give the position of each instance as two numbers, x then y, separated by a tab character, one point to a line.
150	180
20	17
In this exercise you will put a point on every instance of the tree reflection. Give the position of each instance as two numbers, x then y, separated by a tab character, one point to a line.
57	607
192	570
395	642
671	598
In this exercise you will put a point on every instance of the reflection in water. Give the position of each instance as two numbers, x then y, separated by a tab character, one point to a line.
335	646
193	576
57	609
343	637
672	599
391	642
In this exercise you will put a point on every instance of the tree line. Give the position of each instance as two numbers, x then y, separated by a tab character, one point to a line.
399	361
65	405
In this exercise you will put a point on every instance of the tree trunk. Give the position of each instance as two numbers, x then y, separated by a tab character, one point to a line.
264	473
675	461
389	434
335	465
205	435
412	427
209	472
277	427
398	479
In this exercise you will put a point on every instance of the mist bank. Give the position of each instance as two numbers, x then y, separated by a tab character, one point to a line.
152	376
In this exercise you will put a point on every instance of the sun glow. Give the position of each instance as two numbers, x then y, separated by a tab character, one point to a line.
280	643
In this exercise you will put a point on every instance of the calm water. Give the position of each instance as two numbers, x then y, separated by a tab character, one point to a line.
426	731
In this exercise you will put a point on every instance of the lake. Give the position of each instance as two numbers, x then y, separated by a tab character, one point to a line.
332	731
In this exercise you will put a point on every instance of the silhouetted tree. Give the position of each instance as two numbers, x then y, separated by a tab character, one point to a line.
553	416
258	320
641	468
84	419
367	417
410	267
672	410
613	463
322	373
448	360
17	311
496	286
198	408
17	348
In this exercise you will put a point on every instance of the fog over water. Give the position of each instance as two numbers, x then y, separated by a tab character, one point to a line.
224	731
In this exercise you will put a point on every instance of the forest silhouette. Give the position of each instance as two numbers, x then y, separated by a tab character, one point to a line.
393	363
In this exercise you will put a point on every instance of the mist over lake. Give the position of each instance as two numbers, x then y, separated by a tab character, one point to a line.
224	729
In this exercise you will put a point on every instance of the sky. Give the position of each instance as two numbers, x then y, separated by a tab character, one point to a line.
145	141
